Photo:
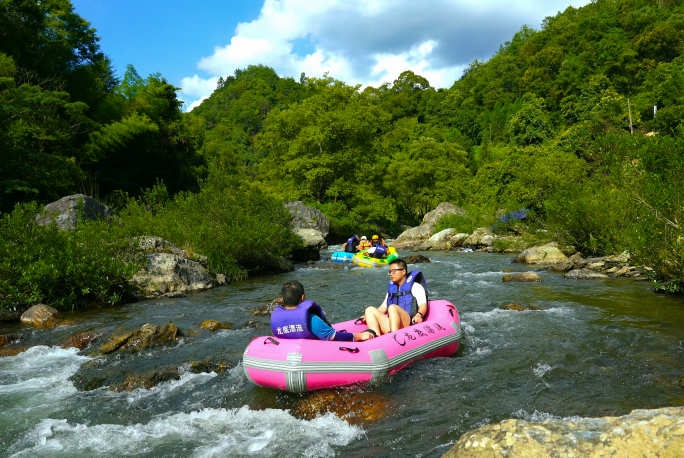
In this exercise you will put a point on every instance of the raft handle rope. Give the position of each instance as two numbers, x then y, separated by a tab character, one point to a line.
350	350
271	339
359	320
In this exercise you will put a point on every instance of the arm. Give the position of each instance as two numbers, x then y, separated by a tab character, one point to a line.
325	332
418	292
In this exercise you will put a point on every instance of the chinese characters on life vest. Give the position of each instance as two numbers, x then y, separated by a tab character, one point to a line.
289	329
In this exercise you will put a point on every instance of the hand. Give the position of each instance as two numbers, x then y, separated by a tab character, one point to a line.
417	319
365	336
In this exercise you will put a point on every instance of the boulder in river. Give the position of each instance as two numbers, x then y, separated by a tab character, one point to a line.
306	217
213	325
439	241
584	274
456	241
545	254
9	339
81	340
147	379
313	242
417	259
412	237
518	307
148	336
41	315
482	236
65	212
522	278
355	406
642	433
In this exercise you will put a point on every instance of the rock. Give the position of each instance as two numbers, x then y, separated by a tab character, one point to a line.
456	241
251	325
285	265
642	433
577	259
305	217
541	255
147	380
417	259
159	245
213	325
208	366
9	339
313	242
439	241
624	257
174	295
167	272
81	340
148	336
12	351
476	238
445	208
355	406
584	274
562	266
487	240
522	278
517	306
267	309
41	315
65	211
412	237
624	271
596	265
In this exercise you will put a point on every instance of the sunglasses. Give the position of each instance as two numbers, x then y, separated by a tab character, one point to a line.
394	271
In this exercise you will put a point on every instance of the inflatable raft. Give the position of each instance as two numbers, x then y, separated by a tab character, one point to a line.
342	256
298	365
363	260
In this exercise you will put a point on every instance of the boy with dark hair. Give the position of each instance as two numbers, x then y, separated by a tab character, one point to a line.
302	319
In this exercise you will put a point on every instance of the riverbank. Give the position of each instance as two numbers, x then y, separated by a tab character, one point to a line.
590	349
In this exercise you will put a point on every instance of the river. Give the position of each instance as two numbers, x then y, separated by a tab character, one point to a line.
594	348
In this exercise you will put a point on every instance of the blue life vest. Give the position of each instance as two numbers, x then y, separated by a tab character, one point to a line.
294	323
402	296
350	245
380	252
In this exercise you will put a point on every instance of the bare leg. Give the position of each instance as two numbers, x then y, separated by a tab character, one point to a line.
377	321
398	318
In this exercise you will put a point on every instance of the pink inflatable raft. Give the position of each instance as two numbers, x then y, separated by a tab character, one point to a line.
298	365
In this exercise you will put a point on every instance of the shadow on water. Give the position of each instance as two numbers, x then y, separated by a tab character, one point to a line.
589	348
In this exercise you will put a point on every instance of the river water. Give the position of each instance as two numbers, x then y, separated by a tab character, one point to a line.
594	348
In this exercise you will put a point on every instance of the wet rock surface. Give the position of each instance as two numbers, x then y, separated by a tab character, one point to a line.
355	406
147	380
81	340
41	316
267	309
584	274
643	433
545	254
148	336
518	307
213	325
522	278
417	259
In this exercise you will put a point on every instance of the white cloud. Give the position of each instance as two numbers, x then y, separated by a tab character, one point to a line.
368	43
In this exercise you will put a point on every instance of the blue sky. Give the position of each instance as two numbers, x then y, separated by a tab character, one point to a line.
364	42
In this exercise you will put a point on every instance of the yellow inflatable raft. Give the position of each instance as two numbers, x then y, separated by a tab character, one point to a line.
362	259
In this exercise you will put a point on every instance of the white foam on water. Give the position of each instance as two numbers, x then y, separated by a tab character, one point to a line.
541	416
204	433
481	274
41	372
542	369
187	382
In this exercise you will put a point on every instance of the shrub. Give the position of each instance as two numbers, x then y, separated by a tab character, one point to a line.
88	266
510	219
238	228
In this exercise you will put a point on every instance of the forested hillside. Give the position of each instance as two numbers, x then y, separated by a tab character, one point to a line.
561	121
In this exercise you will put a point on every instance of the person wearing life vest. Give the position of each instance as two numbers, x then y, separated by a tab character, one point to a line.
364	244
375	240
405	302
377	252
351	245
302	319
